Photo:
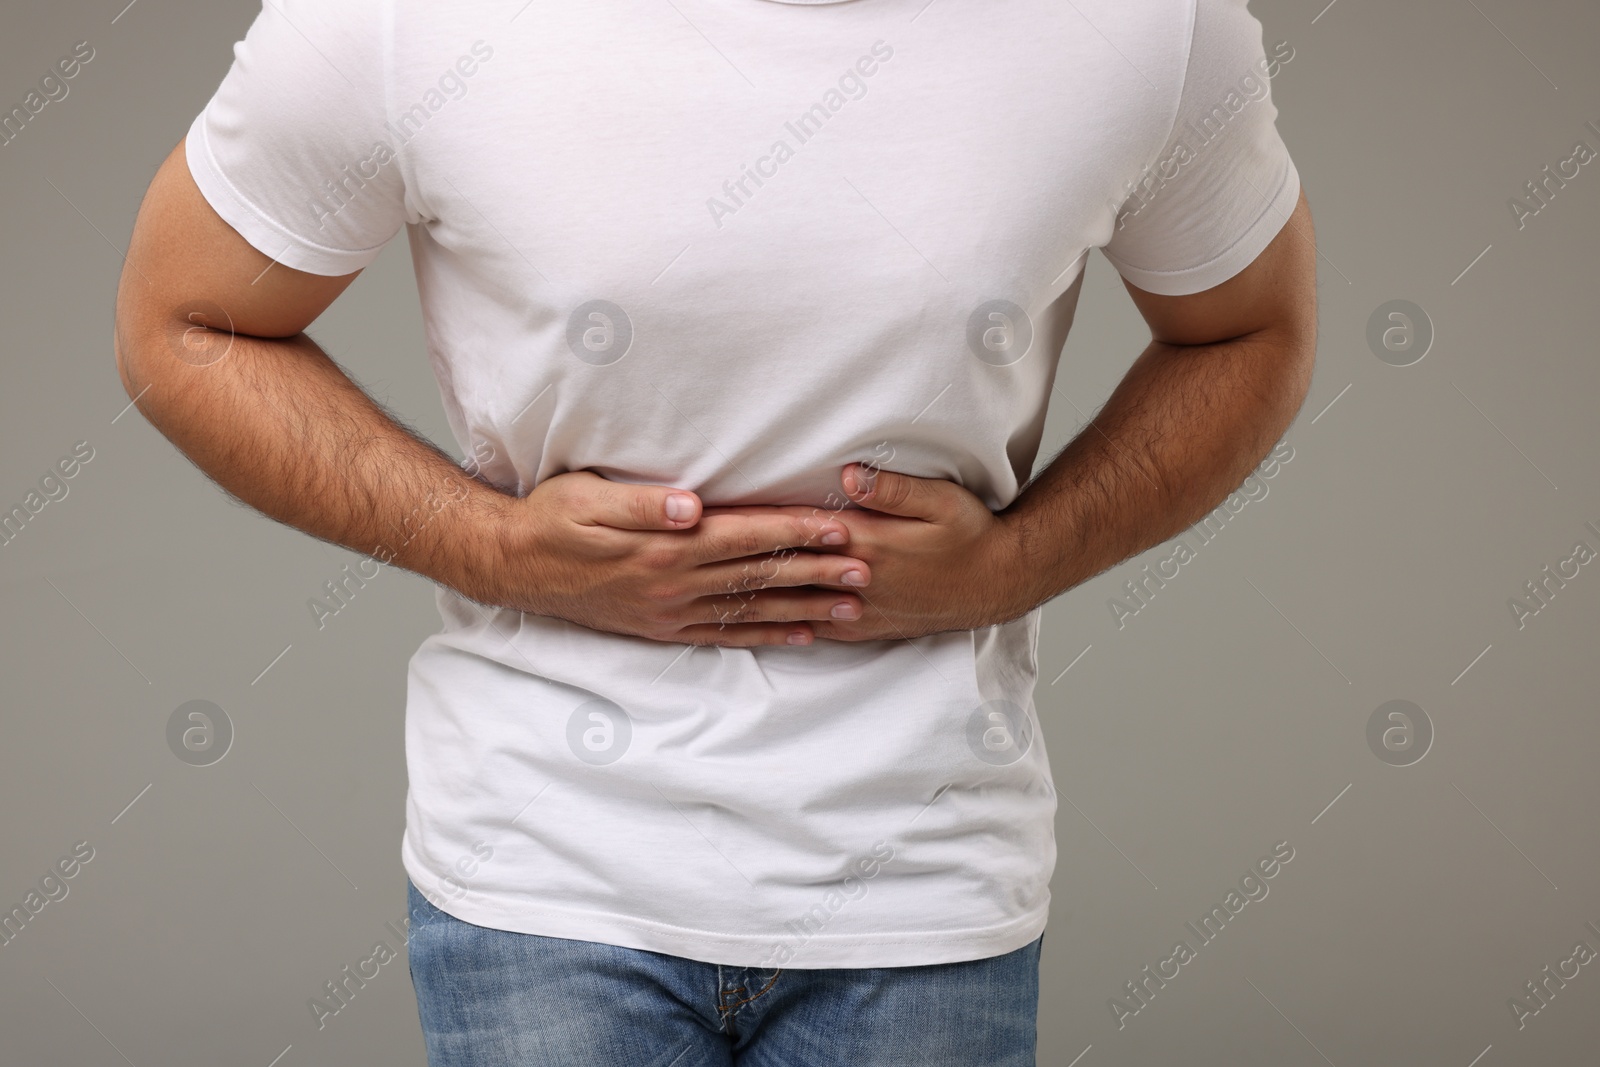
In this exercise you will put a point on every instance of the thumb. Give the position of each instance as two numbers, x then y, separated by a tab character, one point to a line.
895	494
597	501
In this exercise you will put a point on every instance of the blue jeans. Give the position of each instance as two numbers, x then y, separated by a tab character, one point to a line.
493	998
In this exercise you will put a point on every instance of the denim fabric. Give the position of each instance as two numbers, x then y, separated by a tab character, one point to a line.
493	998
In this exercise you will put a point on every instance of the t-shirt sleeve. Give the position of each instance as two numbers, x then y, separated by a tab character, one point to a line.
292	149
1223	185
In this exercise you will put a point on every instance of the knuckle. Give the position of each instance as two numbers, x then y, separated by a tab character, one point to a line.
658	555
748	579
727	586
828	573
662	593
747	541
714	545
642	509
660	620
602	495
585	485
560	493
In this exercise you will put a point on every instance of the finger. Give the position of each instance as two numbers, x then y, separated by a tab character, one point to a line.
723	536
601	502
800	511
746	635
897	494
826	531
777	570
777	605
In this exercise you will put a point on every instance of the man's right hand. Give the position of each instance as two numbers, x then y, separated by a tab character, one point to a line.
644	560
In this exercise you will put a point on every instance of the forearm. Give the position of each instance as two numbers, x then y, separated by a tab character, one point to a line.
279	426
1181	431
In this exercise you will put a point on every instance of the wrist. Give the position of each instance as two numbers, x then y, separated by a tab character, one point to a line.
460	537
1018	572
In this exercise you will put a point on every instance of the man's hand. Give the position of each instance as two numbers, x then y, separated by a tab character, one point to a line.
631	559
940	559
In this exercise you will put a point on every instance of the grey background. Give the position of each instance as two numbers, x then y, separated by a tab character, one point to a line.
1225	717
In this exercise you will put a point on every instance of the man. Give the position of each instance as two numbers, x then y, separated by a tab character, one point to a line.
746	314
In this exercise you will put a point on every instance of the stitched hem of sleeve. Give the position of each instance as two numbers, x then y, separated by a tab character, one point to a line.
1236	258
266	235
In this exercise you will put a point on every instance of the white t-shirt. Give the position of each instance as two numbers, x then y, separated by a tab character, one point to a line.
732	246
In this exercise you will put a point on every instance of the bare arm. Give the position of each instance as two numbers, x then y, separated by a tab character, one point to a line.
1221	379
209	340
266	413
1224	374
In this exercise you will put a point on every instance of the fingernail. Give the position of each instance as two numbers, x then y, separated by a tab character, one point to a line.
680	507
799	637
833	537
854	578
843	611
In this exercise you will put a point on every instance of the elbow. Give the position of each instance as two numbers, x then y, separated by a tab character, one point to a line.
150	343
129	331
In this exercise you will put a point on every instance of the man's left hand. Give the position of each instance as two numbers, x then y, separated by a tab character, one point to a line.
940	559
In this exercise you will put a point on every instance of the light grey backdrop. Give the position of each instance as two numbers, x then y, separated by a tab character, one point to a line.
1229	714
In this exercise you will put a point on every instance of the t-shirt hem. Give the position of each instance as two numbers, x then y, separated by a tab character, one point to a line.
264	234
1236	258
819	951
